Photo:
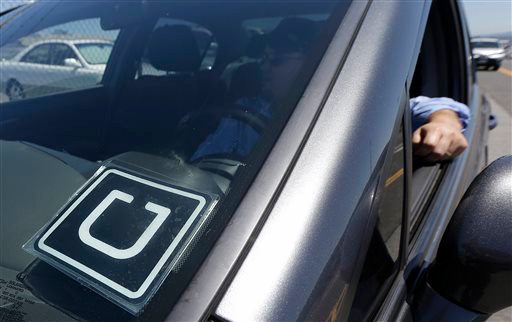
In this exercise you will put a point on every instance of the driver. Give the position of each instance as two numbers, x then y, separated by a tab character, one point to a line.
437	122
284	54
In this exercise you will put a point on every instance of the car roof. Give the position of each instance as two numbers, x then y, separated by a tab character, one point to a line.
31	43
71	41
485	39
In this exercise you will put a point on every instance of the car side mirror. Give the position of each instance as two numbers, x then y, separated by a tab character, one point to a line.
473	267
72	62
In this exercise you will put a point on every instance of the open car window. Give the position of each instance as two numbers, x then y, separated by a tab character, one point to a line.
117	178
439	72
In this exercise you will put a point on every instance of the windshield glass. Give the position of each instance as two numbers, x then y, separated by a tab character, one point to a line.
95	54
116	181
486	44
9	9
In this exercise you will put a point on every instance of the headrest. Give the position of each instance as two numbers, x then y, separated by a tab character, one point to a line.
174	48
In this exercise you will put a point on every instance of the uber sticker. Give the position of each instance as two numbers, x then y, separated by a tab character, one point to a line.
123	231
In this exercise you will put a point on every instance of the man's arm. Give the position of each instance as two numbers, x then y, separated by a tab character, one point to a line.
438	125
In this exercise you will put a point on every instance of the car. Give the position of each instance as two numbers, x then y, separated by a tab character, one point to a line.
110	213
488	52
58	64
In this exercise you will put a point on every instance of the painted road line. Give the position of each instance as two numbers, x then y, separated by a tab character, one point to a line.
505	71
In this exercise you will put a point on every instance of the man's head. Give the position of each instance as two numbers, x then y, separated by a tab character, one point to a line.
287	46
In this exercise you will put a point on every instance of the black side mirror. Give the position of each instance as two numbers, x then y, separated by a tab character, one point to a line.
473	267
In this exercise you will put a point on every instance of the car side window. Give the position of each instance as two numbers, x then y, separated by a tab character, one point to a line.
38	55
382	259
83	40
61	52
439	72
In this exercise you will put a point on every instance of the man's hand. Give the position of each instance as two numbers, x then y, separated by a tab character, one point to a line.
440	138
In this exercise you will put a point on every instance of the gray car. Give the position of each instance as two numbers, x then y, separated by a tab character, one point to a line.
53	65
116	206
488	52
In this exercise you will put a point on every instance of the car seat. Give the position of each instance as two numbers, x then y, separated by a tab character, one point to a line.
150	107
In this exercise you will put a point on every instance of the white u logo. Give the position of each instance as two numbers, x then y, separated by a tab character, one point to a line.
85	234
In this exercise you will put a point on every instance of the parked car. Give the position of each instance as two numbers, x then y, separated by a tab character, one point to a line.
108	214
488	52
53	65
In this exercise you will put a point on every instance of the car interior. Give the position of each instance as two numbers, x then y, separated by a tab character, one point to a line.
155	96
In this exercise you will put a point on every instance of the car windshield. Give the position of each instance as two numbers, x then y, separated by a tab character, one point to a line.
95	53
116	181
485	44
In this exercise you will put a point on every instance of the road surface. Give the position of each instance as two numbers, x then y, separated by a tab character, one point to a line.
497	86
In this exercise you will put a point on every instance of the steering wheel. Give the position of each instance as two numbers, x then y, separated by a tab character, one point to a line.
224	164
234	111
254	120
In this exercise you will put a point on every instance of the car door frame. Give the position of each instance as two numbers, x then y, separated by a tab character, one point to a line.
443	198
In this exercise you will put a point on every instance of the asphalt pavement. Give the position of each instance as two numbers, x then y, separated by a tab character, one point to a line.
497	86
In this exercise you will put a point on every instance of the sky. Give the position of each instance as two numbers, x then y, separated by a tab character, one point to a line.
484	16
488	16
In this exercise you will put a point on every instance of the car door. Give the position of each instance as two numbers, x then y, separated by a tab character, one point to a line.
442	68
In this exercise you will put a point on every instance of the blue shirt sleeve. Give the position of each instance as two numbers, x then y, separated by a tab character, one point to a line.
422	107
234	136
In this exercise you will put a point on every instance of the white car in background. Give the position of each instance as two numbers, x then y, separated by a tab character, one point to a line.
488	52
54	65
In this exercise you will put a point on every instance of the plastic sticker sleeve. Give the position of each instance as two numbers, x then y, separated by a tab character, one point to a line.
123	233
